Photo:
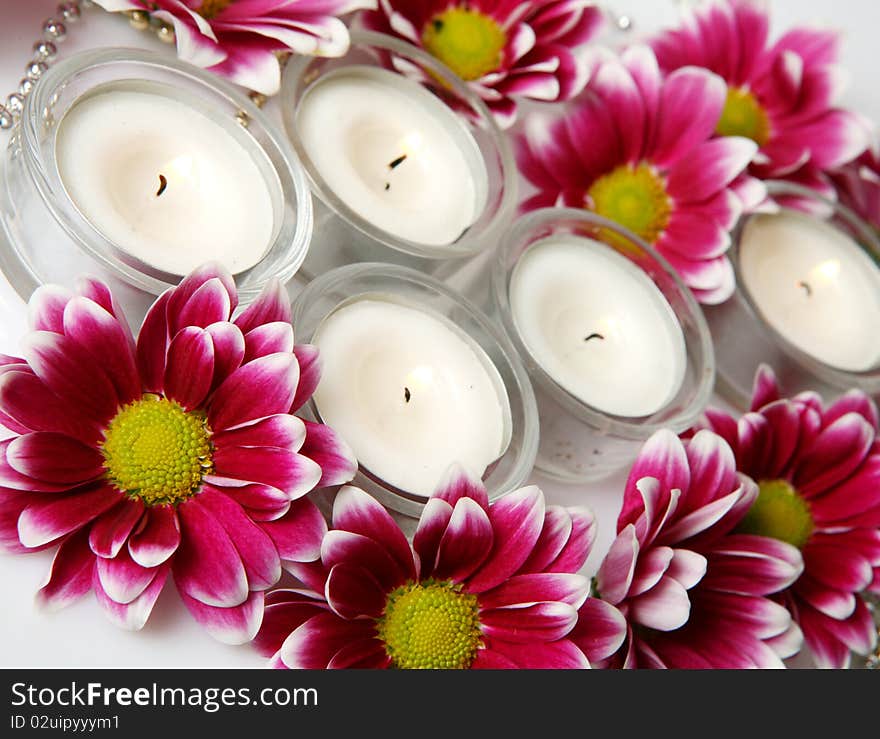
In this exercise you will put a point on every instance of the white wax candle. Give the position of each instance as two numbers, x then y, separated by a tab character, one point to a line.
166	183
598	325
410	392
815	286
394	153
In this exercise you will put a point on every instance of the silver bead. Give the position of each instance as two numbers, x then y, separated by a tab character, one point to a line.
70	12
35	70
624	22
166	34
15	104
6	119
139	20
45	51
54	30
25	87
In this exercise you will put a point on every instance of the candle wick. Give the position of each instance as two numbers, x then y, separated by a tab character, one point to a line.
595	336
806	287
387	186
397	162
407	394
163	183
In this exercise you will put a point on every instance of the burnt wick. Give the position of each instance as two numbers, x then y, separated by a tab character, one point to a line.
163	183
407	394
807	288
387	186
397	162
595	336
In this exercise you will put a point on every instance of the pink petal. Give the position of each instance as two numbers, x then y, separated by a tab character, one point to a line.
600	629
191	305
837	567
650	568
272	304
299	533
356	549
555	534
853	401
336	458
834	603
132	615
280	430
662	457
356	512
46	308
458	483
152	343
665	607
313	644
352	592
270	338
517	519
54	457
71	575
43	522
523	590
98	292
111	530
709	167
713	469
703	518
687	567
232	624
309	374
207	566
576	550
619	92
193	46
190	368
465	543
123	579
618	568
488	659
157	537
360	655
536	622
260	388
292	473
284	611
558	655
834	454
426	539
228	350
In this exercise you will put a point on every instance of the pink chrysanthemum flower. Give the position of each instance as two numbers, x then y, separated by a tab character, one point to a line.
694	593
178	454
638	150
818	470
858	186
481	586
503	49
781	95
239	39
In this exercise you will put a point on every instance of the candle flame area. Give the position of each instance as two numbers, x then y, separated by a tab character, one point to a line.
419	379
827	270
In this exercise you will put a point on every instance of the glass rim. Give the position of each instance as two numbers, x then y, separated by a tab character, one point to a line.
468	244
521	397
293	182
639	428
867	241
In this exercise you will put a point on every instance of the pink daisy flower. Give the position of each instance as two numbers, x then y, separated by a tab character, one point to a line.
638	150
504	49
176	455
858	186
692	591
239	39
779	95
481	586
818	471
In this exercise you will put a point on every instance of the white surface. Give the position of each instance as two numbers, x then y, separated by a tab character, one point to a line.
408	390
80	636
359	119
214	202
598	325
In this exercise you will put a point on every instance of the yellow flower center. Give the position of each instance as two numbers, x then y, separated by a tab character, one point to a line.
156	451
634	197
210	8
430	625
466	41
780	513
743	115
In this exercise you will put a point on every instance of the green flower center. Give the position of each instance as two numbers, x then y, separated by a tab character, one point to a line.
430	625
634	197
156	451
466	41
743	115
210	8
780	513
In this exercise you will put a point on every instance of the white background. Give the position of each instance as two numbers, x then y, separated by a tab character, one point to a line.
79	636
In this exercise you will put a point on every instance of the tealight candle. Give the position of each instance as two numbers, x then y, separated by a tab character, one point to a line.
410	392
598	325
815	286
393	153
165	182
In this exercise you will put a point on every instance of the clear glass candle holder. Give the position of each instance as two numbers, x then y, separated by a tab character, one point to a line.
580	442
45	237
343	235
744	339
341	287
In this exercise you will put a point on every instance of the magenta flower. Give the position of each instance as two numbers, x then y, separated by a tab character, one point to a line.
781	95
818	471
179	454
858	186
692	590
503	49
239	39
481	586
638	150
